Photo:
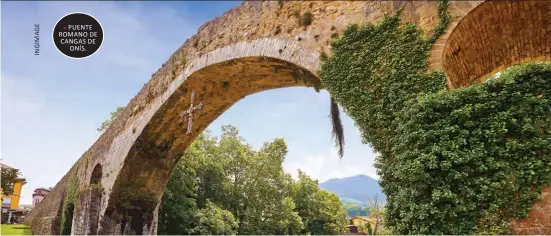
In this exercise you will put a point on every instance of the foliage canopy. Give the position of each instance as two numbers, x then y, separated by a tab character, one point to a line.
450	162
8	180
223	186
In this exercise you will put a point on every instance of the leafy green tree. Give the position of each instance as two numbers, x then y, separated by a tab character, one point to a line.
8	179
178	211
267	207
214	220
354	209
217	178
256	186
321	211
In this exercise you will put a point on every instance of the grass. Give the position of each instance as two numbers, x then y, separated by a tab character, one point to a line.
15	230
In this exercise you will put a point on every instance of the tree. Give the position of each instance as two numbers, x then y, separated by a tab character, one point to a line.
256	187
214	220
321	211
355	209
108	122
218	179
369	229
178	210
8	179
267	207
376	210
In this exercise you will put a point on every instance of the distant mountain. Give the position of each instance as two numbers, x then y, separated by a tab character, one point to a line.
355	189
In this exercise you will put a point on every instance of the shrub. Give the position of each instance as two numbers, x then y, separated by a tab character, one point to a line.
306	19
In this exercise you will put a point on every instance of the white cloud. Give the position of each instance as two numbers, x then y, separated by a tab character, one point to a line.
328	165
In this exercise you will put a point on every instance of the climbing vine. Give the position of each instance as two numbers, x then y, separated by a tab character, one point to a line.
443	23
374	70
473	158
451	162
69	204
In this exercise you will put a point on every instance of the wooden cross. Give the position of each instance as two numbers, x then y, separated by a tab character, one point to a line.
190	112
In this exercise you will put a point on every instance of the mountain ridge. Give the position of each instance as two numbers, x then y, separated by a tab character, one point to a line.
358	188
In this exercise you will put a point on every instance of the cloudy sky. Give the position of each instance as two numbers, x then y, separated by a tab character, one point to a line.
51	105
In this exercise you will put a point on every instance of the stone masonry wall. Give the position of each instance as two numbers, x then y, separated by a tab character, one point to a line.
496	35
45	218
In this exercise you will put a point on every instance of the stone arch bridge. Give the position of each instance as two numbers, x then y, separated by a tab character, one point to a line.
254	47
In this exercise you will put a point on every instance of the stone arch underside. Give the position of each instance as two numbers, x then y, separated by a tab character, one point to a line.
217	84
96	175
94	203
496	35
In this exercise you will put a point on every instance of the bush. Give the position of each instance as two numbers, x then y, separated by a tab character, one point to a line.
306	19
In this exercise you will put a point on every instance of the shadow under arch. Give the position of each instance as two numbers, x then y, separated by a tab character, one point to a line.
139	185
495	35
96	193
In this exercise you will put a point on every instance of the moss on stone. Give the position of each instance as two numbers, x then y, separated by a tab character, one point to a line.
306	19
70	202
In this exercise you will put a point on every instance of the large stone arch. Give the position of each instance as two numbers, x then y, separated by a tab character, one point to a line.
217	80
495	35
262	38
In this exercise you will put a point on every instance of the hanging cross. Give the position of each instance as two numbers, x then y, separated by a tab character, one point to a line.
190	112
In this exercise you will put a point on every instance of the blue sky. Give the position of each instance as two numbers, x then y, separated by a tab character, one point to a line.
52	105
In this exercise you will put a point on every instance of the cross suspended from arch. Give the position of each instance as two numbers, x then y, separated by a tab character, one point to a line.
190	112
